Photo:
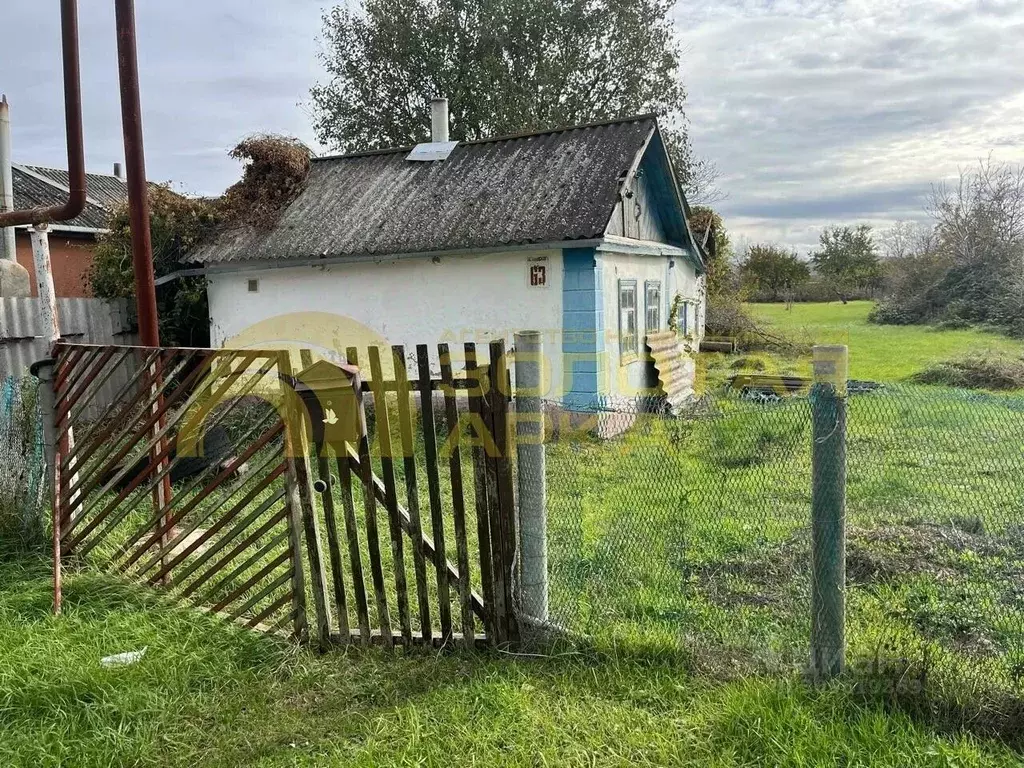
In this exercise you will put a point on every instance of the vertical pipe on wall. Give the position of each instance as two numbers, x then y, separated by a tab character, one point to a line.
73	128
138	210
7	245
135	161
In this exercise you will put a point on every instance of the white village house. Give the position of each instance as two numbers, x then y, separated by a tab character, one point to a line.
580	233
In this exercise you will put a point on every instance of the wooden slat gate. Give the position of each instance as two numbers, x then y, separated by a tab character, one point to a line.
452	544
209	478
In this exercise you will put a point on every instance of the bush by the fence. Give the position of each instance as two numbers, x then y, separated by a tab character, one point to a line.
21	456
976	371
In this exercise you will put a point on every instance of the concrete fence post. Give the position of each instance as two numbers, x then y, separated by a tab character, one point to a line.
828	512
533	512
43	371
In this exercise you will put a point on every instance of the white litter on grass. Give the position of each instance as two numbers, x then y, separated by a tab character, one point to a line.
123	659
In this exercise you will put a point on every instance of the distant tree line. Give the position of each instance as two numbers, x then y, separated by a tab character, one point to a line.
967	268
846	265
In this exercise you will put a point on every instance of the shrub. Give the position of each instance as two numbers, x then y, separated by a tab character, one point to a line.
977	371
276	168
728	317
953	324
968	267
21	456
892	313
176	224
275	171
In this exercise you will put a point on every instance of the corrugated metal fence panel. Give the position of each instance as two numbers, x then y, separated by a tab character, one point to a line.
82	321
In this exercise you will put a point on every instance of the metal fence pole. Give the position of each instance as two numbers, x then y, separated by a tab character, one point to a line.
43	370
828	512
533	514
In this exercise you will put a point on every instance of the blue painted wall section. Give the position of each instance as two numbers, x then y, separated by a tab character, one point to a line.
583	332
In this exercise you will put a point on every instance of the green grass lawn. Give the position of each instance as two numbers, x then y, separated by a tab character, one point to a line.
680	548
208	694
877	352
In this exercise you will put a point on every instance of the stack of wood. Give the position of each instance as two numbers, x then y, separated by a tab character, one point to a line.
675	366
725	344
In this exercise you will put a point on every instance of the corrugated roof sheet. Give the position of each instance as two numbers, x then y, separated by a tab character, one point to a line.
107	190
84	321
544	187
35	186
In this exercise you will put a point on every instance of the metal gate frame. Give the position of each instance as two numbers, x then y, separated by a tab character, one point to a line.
244	559
198	542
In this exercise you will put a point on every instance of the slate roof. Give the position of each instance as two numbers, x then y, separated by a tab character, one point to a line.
553	186
34	186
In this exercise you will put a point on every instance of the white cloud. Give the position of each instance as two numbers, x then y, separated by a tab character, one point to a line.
210	73
815	111
848	111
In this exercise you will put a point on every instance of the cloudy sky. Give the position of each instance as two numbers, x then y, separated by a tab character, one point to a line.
815	111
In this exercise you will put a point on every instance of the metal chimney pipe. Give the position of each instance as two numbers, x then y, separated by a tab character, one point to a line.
438	119
7	244
117	171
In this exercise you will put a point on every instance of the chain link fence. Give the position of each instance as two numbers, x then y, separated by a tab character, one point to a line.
693	533
21	459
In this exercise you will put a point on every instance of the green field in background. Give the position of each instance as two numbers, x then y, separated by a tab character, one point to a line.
877	352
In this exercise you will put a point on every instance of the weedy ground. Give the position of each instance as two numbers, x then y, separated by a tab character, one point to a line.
209	694
681	549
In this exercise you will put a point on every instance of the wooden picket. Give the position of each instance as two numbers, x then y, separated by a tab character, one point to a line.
414	590
287	535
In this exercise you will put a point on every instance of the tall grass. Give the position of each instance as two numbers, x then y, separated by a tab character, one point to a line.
21	460
210	694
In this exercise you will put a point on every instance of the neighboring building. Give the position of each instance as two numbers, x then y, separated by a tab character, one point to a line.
580	233
71	242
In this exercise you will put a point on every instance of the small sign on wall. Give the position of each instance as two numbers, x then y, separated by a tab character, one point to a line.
537	271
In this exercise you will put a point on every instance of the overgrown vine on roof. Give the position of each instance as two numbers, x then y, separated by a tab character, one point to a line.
275	170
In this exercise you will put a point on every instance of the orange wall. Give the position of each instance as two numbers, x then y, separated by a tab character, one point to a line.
70	259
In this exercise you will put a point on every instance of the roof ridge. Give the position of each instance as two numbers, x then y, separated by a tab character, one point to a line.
33	171
65	170
506	137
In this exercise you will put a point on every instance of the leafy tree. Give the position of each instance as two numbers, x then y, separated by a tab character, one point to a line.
176	224
275	171
506	66
707	226
969	267
847	258
773	270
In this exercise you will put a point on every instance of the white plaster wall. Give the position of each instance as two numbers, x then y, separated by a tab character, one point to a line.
692	288
629	378
410	301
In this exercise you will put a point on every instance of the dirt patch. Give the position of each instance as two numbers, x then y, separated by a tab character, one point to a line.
747	364
892	552
780	572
